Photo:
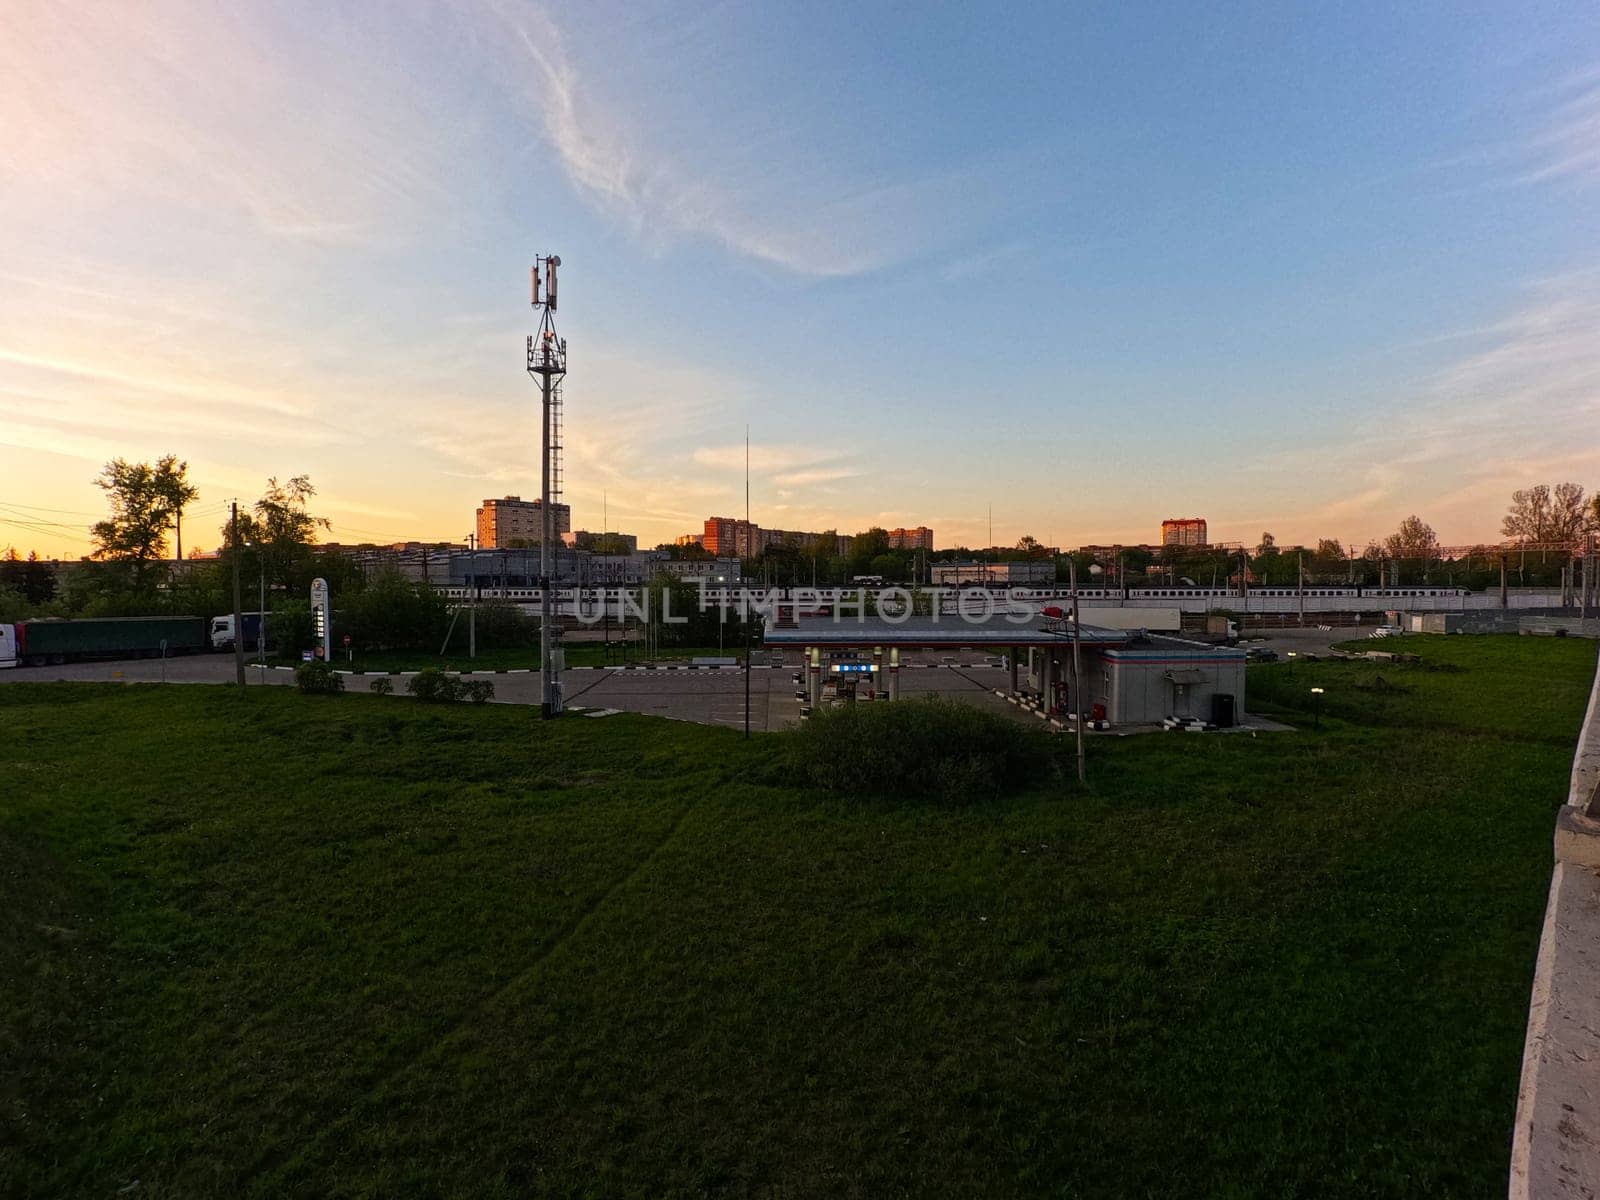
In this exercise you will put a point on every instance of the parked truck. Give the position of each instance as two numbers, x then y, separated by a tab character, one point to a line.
222	636
1222	627
55	640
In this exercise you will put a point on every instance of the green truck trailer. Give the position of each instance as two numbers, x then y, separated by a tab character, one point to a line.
59	641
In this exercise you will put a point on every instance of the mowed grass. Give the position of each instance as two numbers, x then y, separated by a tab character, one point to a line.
279	945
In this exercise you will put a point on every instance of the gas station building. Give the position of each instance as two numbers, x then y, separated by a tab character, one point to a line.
1130	677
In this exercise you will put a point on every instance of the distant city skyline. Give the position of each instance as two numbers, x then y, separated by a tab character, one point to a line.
1304	271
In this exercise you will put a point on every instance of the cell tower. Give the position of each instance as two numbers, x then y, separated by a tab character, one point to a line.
547	359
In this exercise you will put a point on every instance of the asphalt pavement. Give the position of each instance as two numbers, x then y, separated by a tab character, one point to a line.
704	695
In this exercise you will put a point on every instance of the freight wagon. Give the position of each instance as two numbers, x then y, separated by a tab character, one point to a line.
36	643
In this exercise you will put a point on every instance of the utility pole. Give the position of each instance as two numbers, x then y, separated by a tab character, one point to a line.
238	603
547	358
1503	603
1077	666
472	612
1302	588
1588	575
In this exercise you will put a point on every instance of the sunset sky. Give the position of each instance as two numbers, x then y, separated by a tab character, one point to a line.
1304	269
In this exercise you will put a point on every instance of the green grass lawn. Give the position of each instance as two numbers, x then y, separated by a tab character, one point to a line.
279	945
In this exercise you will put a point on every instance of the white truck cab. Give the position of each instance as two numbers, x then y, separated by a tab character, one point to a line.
8	646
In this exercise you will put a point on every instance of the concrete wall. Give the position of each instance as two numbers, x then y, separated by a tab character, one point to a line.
1142	694
1555	1143
1136	691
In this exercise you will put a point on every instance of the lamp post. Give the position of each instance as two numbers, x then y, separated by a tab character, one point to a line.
261	613
1077	658
472	609
1316	708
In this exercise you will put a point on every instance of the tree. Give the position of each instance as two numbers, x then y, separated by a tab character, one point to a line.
867	546
38	579
281	530
1030	548
1528	519
177	493
1329	553
11	577
1567	516
1414	539
1329	557
136	531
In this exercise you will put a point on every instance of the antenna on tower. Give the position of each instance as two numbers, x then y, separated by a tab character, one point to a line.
547	359
747	474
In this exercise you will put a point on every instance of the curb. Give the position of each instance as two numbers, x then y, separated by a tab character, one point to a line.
964	666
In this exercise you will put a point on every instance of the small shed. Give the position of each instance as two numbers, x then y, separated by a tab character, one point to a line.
1146	679
1171	677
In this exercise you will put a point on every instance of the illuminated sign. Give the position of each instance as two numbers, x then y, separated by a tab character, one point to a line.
320	617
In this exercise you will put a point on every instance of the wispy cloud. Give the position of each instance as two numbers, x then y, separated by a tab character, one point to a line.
789	205
1521	407
789	467
215	113
1568	147
610	163
814	476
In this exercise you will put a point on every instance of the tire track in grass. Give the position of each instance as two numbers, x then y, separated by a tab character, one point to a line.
269	1171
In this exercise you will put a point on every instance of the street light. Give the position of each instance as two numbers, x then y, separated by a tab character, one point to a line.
1077	658
261	613
1316	706
472	609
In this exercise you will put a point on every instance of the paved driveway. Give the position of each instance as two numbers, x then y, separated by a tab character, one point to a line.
710	697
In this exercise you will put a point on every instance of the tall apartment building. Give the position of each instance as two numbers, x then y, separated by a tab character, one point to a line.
511	518
601	543
1184	531
920	538
727	536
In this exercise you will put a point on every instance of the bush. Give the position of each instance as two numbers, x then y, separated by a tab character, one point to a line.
318	679
291	628
501	626
433	686
381	686
927	748
392	613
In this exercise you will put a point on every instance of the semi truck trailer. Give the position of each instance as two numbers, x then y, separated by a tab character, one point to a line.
54	640
222	636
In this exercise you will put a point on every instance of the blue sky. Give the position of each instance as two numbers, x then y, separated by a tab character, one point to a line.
1295	268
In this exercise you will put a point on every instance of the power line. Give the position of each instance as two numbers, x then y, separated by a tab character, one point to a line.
73	512
43	532
39	520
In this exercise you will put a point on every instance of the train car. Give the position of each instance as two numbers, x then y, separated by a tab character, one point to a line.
54	640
